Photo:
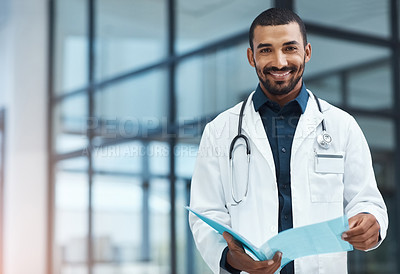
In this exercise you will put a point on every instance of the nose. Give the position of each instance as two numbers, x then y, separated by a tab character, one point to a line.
280	60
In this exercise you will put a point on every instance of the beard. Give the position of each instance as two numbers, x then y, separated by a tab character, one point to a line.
279	87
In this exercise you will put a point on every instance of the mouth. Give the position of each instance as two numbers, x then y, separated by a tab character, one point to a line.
280	75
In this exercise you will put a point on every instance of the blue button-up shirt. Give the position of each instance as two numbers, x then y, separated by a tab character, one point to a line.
280	125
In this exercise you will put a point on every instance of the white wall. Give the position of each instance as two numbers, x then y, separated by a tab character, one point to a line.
23	91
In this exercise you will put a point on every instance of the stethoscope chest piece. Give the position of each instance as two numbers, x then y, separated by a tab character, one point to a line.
324	140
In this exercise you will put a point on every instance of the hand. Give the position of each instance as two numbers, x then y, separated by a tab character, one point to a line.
364	231
238	258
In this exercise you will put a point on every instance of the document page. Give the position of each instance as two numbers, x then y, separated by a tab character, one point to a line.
220	228
319	238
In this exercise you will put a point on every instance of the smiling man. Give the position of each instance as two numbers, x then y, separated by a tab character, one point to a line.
295	160
279	61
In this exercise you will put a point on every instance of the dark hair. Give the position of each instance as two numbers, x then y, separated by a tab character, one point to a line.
277	17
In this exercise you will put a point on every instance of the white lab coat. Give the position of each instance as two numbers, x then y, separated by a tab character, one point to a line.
316	197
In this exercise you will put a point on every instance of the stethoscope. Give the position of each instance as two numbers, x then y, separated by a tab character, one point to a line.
324	140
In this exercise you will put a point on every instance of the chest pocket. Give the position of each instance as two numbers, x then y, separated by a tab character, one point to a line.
326	177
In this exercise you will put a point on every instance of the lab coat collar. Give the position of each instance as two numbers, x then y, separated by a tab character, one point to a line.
253	127
306	128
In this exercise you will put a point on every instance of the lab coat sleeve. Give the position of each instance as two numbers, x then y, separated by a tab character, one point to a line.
207	197
361	193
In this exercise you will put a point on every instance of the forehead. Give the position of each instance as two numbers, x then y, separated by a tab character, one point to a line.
277	34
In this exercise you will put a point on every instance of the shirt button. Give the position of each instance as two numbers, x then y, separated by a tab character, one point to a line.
283	150
286	217
285	186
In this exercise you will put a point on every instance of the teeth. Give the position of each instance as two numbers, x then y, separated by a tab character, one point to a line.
280	74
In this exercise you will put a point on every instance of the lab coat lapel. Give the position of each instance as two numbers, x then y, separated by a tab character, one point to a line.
254	128
308	122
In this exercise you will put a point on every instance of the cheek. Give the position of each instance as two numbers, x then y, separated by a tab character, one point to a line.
261	60
298	60
260	65
259	70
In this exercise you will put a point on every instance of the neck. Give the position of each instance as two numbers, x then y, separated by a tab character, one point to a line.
283	99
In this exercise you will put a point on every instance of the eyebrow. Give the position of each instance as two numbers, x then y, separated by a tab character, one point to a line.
291	43
264	45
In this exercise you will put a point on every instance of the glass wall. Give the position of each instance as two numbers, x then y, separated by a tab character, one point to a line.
134	84
200	23
365	17
129	35
2	155
70	46
71	215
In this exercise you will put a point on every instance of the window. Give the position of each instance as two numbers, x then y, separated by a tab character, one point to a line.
135	82
360	16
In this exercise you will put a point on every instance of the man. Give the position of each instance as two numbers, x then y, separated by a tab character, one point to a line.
294	178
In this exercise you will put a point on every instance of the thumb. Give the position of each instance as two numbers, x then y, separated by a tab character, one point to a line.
228	237
277	257
230	240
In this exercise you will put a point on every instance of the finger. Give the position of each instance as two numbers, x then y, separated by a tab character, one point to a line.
360	219
277	257
366	240
352	223
275	261
371	236
355	232
360	228
365	229
372	232
355	220
366	244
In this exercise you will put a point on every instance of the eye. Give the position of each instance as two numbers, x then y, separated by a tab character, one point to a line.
265	50
291	48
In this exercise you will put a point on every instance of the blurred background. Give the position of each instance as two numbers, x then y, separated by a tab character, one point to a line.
103	102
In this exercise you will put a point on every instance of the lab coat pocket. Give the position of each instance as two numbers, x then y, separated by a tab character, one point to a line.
329	163
326	177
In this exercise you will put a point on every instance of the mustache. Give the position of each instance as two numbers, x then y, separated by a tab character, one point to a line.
275	69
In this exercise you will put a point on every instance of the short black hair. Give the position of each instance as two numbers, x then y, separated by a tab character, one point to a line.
277	17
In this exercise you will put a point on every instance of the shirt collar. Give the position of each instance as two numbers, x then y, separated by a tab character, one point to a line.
259	98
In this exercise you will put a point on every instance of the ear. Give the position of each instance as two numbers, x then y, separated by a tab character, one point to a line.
250	57
307	52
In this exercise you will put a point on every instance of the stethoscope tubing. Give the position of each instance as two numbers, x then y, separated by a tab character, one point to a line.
324	140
